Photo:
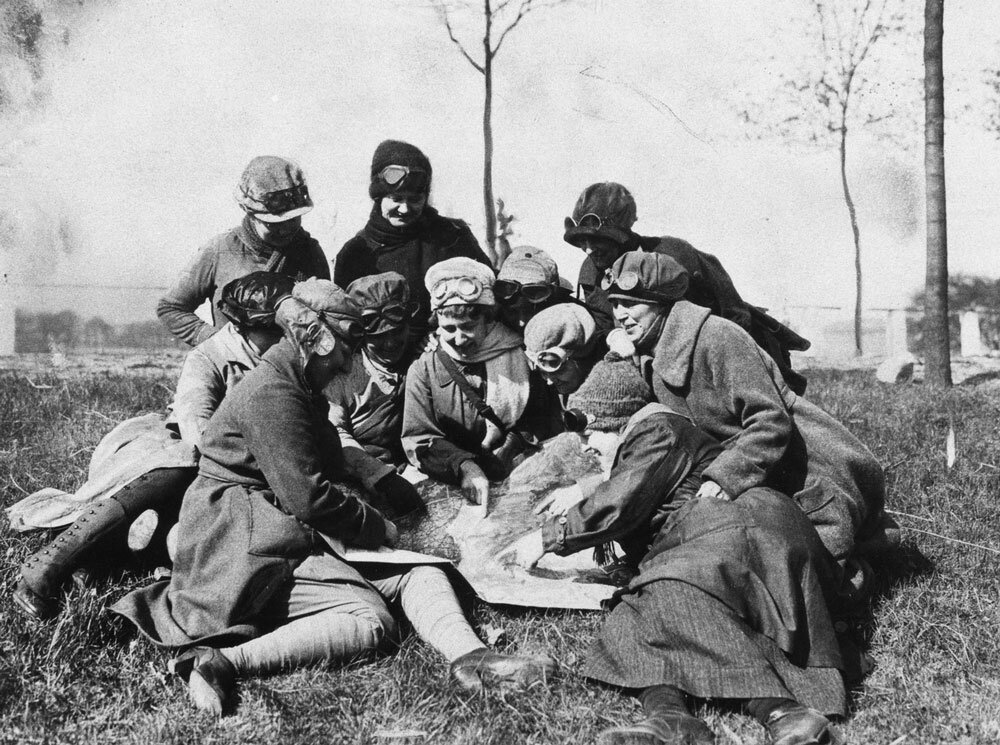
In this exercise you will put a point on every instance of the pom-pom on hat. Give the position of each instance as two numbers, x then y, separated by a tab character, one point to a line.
604	210
611	394
459	281
529	266
647	277
412	175
250	301
566	326
273	189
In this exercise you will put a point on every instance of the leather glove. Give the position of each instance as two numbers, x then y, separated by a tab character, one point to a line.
399	493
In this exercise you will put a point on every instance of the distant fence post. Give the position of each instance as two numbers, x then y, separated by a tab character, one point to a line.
895	333
6	311
971	335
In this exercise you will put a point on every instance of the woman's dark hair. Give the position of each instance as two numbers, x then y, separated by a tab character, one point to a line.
249	301
463	312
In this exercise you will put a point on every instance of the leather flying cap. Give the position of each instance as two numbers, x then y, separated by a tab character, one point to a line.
647	277
249	301
273	189
604	210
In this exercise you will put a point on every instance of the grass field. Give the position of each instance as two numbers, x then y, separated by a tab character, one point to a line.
932	630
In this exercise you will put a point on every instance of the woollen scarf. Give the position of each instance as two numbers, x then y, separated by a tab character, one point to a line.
507	386
383	233
276	257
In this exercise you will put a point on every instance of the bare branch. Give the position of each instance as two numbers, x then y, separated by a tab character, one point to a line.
522	11
443	12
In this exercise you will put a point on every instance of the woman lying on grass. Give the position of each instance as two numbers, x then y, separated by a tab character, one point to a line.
141	469
730	598
472	404
255	588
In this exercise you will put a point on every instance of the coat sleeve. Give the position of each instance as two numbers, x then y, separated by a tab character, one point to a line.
470	246
194	285
281	434
317	265
711	285
742	378
200	390
424	442
651	467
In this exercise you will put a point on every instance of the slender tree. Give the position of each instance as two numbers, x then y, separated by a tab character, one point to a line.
937	363
829	96
499	18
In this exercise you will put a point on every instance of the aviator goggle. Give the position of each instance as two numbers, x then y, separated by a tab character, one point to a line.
468	289
348	331
400	177
626	281
590	220
392	315
507	290
548	360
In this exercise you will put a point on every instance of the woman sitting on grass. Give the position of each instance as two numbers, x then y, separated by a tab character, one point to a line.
255	588
472	404
730	597
141	469
711	371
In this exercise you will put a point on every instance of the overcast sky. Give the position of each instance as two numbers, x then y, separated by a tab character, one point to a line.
155	108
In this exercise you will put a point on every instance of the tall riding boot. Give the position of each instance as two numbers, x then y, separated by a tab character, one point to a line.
45	571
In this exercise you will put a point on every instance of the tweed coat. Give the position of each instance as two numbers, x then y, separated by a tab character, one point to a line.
710	370
758	555
262	494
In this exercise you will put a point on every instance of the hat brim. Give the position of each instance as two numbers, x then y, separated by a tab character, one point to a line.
576	234
642	296
284	216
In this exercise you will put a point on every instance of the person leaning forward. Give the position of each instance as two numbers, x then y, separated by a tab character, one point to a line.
601	225
404	233
273	193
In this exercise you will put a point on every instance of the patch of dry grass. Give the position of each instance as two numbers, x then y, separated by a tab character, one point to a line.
932	627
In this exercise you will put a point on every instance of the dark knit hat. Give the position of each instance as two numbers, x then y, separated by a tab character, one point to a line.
273	189
645	276
611	394
249	301
414	172
604	210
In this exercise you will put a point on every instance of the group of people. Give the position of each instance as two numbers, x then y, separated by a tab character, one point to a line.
745	512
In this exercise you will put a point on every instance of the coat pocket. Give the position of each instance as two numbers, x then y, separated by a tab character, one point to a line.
272	532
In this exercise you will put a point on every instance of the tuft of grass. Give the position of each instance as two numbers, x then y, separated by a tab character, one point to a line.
931	627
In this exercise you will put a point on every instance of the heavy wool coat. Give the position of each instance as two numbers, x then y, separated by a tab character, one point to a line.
758	556
264	490
711	371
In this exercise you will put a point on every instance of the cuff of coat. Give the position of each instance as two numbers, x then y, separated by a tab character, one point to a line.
363	466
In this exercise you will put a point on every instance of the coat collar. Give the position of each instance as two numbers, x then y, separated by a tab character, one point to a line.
675	348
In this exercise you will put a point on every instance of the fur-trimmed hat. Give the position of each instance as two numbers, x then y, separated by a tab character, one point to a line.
611	394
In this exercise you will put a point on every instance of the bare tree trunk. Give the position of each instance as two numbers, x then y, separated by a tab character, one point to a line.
937	365
857	235
491	217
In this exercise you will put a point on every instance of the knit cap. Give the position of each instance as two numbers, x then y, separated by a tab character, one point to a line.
567	326
459	281
611	394
399	153
273	189
529	265
604	210
647	277
250	301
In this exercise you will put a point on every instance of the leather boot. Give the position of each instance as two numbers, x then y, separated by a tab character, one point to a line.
474	669
45	571
799	725
666	729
